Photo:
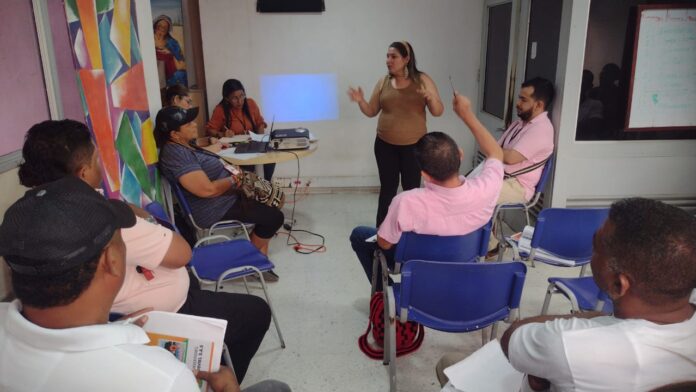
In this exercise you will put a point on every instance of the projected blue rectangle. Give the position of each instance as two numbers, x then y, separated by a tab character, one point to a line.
299	97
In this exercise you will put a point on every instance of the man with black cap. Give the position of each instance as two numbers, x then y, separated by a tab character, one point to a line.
63	243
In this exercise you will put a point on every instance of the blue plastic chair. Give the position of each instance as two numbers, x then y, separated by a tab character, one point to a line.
583	293
451	297
538	190
565	233
471	247
214	263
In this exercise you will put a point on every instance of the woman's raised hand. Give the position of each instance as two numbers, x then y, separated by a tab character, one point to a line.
356	95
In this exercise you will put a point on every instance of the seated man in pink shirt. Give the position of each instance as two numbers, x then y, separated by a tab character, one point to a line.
527	143
449	204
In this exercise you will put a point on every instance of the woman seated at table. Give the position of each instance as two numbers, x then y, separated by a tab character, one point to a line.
238	115
210	187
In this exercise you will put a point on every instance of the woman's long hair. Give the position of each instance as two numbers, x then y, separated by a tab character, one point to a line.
406	50
230	86
53	150
171	92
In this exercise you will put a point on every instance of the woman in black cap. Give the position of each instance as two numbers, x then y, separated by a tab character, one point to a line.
209	185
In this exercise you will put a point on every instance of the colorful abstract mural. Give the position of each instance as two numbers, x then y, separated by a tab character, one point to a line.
110	75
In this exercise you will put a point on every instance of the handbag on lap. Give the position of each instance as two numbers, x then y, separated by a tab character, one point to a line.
265	192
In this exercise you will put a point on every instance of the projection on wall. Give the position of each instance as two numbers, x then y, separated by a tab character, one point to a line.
299	97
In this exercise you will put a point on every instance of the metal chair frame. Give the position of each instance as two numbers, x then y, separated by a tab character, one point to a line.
539	231
538	190
603	302
248	270
201	232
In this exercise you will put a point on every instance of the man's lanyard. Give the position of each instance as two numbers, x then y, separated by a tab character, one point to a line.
513	134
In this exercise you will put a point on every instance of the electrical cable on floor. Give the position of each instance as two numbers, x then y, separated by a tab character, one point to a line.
299	247
304	248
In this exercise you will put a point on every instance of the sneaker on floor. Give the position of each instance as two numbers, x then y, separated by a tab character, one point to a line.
270	276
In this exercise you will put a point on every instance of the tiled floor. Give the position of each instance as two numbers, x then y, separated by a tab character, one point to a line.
322	299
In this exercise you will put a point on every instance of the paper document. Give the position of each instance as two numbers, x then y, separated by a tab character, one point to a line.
487	369
196	341
372	239
524	244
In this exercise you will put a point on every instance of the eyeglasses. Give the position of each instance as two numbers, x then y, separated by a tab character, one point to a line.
238	98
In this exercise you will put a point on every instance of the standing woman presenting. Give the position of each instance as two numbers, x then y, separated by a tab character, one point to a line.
400	98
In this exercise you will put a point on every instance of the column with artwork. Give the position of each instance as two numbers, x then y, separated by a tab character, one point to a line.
111	80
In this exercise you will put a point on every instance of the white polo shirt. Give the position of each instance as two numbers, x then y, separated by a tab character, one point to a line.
606	353
106	357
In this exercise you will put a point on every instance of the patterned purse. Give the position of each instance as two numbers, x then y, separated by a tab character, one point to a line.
261	190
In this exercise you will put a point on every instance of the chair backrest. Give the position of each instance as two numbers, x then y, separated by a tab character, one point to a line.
568	232
183	203
462	248
157	210
545	174
459	297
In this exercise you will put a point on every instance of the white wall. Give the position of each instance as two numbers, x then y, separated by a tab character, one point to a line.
143	14
350	39
596	173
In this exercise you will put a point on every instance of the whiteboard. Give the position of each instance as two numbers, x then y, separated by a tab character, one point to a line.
663	84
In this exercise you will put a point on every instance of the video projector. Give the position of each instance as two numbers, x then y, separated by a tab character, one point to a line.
289	139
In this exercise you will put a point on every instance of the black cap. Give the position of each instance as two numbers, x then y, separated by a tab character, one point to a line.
59	226
172	117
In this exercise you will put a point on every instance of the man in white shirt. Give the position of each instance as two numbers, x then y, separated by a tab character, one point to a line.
63	244
644	258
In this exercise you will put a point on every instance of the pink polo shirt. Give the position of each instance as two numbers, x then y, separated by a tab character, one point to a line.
534	140
146	245
445	211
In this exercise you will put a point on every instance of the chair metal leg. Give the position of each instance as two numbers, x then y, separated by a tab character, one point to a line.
599	306
375	264
526	214
226	357
583	270
392	341
547	300
270	305
246	286
387	329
